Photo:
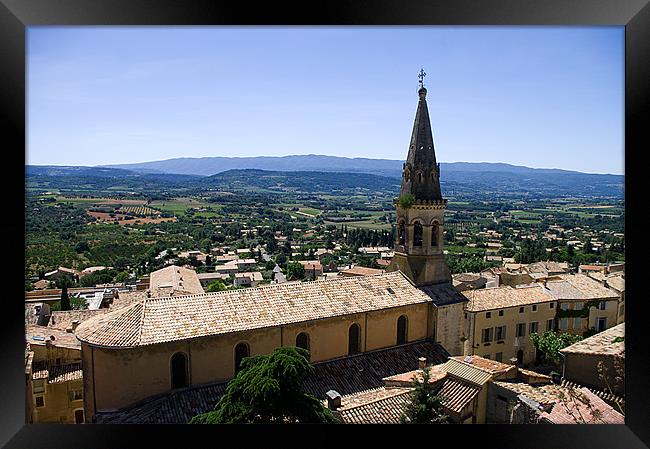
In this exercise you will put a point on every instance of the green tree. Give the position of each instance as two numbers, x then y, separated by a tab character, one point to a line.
268	390
425	406
65	299
215	286
121	276
295	270
549	343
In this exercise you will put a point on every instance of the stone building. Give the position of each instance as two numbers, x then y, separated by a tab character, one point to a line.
583	304
141	359
582	359
420	227
499	321
162	344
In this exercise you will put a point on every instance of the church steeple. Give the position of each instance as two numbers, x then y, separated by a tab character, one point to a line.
421	174
419	238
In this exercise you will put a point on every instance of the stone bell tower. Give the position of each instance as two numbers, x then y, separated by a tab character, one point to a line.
420	207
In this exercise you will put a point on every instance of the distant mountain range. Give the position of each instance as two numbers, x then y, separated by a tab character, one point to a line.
207	166
313	173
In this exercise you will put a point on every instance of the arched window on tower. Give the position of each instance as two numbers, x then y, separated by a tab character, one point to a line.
401	233
354	339
178	368
402	330
434	235
241	350
302	341
417	234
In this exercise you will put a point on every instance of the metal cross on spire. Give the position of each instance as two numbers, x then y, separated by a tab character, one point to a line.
421	75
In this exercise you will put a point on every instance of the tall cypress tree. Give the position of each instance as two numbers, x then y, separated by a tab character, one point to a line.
65	299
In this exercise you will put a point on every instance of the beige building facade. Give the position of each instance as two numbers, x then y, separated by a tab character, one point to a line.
498	322
135	352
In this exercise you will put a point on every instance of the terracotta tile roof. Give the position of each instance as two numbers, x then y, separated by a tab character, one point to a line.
616	282
467	277
361	271
57	373
174	278
601	343
593	267
39	335
406	379
443	294
456	393
545	394
466	372
175	407
608	397
158	320
385	405
548	266
564	290
346	375
502	297
127	298
378	406
64	319
487	365
367	370
591	288
577	412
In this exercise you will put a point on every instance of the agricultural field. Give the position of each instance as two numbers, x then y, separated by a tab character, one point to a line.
178	206
139	210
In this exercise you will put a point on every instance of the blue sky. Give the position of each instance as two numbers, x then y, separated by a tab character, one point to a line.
547	97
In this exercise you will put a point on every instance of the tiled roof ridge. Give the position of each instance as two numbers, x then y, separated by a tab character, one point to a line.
275	286
406	390
486	370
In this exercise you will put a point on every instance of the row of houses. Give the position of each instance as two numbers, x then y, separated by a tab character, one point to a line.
476	390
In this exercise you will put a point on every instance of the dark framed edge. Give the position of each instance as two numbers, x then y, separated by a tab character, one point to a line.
16	15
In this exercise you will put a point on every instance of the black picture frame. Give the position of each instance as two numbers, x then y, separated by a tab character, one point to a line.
16	15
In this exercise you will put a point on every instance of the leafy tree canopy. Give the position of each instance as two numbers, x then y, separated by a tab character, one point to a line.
268	390
216	286
295	270
550	343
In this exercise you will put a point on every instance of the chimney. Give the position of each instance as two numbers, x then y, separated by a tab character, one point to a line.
75	323
333	399
422	362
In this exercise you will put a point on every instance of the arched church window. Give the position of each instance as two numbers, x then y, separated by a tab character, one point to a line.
354	339
401	233
241	350
302	341
402	330
178	368
434	234
417	234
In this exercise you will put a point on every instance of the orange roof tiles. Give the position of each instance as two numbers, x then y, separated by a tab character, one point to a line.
157	320
502	297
